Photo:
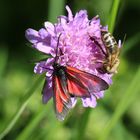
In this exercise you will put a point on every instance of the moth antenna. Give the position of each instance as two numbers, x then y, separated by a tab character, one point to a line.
57	49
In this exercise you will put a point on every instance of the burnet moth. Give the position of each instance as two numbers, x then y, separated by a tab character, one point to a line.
70	82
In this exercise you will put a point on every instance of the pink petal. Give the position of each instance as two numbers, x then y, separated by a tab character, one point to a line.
41	46
47	90
70	16
32	35
43	33
89	102
50	28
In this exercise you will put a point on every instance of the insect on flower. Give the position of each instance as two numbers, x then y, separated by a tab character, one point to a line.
112	52
70	82
72	70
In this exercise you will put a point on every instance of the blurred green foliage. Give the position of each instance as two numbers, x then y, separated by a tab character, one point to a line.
117	115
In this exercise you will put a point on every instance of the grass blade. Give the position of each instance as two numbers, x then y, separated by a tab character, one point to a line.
21	109
56	8
126	100
83	124
32	125
113	15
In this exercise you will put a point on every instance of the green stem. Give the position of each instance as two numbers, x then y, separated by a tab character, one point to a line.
83	124
32	125
56	7
113	15
21	109
126	100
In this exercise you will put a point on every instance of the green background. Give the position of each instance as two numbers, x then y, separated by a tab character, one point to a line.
22	114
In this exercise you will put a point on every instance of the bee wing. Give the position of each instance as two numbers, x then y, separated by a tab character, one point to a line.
62	101
90	82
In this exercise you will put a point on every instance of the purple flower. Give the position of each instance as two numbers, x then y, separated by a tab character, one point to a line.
79	43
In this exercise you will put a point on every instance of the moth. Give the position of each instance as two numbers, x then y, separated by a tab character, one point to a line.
70	82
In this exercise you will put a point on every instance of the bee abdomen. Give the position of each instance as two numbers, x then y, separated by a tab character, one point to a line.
109	42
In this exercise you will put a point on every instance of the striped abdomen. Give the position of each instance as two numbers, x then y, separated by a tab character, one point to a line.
109	42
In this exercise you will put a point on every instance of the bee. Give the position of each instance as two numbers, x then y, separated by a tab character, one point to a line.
111	61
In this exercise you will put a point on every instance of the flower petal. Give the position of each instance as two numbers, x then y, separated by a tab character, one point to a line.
43	33
39	68
63	20
119	44
74	101
89	102
44	66
94	28
50	28
47	90
42	46
32	35
70	16
99	94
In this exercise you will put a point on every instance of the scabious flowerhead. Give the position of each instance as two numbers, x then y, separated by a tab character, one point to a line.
79	42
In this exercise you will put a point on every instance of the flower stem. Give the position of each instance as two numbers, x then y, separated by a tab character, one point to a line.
32	124
21	109
83	124
56	7
126	100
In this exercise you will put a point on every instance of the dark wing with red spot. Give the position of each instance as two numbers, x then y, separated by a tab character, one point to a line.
81	83
61	98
